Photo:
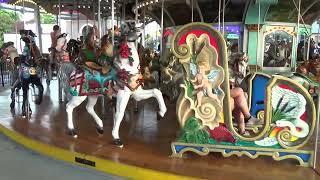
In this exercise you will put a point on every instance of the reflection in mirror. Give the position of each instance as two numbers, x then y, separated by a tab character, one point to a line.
302	49
278	49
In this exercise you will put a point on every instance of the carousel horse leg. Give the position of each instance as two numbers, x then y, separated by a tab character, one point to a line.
25	88
13	91
136	109
13	98
141	94
123	97
74	102
39	85
92	100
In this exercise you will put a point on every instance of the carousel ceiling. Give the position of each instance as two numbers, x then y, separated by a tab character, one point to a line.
179	12
287	11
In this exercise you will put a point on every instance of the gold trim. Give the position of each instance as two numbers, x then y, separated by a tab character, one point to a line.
241	150
103	165
183	52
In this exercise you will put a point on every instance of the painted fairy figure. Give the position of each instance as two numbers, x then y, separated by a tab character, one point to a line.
203	82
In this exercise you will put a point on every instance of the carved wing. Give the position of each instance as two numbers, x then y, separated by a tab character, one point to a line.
293	103
193	69
212	76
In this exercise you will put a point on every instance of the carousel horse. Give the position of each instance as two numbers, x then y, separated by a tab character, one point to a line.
29	68
128	63
124	69
9	51
92	78
238	67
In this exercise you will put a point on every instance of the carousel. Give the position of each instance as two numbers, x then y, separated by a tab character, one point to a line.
231	88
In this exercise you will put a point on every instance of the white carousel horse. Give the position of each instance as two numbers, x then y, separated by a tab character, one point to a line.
132	89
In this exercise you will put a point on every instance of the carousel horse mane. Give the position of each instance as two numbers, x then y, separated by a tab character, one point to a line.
73	48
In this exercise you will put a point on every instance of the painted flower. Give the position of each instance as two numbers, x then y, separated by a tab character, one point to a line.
123	75
124	50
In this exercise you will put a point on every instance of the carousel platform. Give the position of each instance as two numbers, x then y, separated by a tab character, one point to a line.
147	148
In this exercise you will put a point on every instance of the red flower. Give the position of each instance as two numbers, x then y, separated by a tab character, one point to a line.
123	75
124	50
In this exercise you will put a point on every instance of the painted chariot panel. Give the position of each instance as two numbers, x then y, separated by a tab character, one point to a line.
282	112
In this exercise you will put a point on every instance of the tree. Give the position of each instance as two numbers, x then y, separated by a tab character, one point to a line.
47	18
7	23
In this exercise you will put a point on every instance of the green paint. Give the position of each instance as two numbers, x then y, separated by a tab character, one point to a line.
304	30
89	54
190	89
233	36
241	143
193	132
252	47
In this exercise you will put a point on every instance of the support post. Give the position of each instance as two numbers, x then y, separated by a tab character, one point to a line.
39	30
112	20
144	27
99	18
317	134
161	39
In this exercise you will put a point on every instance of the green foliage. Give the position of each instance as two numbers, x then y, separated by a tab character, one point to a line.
47	18
7	23
280	113
193	132
190	89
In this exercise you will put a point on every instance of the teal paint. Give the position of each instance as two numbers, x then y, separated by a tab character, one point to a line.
252	47
252	16
271	2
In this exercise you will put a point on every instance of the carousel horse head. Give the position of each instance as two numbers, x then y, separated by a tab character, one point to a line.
238	65
27	36
73	48
131	30
31	48
62	42
6	50
303	69
239	62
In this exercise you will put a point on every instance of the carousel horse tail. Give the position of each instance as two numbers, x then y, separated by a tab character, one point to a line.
65	72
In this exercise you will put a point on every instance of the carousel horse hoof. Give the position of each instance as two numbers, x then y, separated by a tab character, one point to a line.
100	130
72	132
117	142
38	101
159	117
48	82
23	115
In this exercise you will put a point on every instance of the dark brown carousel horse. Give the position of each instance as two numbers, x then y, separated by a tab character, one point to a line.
29	68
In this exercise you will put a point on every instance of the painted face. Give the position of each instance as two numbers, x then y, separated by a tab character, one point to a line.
201	69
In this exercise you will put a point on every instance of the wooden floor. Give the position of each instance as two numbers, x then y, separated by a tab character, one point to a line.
147	141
